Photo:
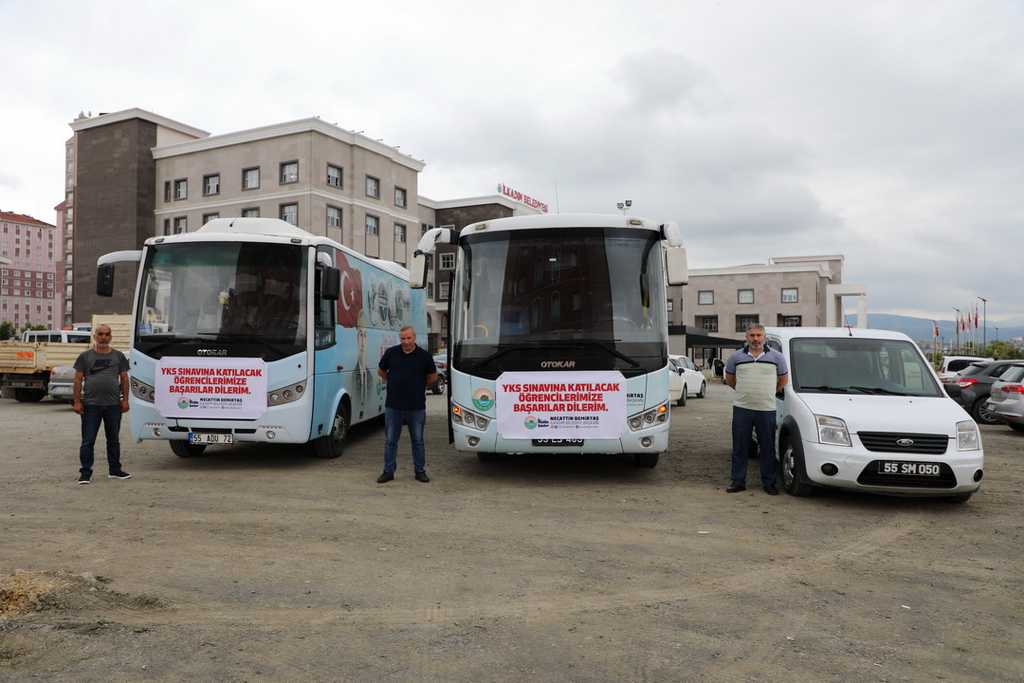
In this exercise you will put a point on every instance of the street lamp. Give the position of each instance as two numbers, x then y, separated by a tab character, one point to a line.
957	329
624	205
984	325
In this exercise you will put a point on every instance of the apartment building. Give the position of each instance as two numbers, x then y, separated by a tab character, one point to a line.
29	248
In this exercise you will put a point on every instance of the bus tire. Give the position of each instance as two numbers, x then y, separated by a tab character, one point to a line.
648	460
333	445
184	449
29	395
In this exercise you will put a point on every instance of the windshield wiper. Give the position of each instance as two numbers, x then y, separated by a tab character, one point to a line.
825	389
879	390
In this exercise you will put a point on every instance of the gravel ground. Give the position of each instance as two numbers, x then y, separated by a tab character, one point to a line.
263	563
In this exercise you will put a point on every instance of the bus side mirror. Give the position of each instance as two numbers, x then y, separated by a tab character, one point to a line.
105	280
418	270
330	283
676	270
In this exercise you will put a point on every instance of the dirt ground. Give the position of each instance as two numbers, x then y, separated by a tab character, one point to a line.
257	563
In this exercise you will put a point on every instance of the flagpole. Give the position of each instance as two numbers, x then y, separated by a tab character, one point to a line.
984	329
957	345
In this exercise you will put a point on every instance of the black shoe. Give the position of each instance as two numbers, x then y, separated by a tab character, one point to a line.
736	487
84	478
771	490
385	477
422	476
120	474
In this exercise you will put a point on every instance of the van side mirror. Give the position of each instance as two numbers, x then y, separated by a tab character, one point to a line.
676	270
330	283
418	270
105	280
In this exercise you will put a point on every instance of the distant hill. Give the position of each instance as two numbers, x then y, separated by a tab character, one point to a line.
921	328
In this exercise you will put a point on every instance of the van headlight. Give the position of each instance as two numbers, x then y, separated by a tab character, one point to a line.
141	390
655	416
832	431
967	436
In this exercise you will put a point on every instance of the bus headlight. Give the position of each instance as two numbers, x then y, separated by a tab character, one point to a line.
832	431
282	395
649	418
468	418
967	437
141	390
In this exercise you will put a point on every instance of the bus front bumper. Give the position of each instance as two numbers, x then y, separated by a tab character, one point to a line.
288	423
652	440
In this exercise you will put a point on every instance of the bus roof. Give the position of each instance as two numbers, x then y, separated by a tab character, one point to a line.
562	220
272	230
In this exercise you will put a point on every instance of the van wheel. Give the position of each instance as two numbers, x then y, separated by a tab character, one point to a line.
439	386
682	397
703	390
332	445
646	459
29	395
982	414
794	474
184	449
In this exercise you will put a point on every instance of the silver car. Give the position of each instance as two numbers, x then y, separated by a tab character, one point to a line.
62	383
1007	397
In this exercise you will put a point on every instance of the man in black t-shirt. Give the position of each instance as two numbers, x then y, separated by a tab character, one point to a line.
101	395
408	370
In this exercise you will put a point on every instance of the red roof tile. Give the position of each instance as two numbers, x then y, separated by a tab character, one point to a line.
23	219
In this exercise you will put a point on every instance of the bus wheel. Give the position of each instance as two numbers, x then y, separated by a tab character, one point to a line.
184	449
29	395
645	459
332	445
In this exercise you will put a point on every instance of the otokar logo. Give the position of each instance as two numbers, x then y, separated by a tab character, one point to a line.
211	352
558	364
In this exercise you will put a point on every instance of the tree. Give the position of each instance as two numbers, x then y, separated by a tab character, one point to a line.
1003	350
6	329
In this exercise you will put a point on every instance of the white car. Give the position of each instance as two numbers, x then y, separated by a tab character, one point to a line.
684	379
951	366
864	410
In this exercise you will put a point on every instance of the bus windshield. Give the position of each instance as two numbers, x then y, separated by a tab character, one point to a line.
597	294
248	297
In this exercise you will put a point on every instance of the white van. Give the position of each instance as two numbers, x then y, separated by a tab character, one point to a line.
62	336
864	410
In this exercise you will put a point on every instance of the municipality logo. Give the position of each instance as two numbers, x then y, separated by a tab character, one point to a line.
483	399
530	422
183	403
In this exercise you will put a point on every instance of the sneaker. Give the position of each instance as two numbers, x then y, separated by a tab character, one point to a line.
771	490
84	479
385	477
120	474
736	487
422	476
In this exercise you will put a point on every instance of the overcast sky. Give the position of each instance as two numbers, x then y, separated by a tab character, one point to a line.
893	133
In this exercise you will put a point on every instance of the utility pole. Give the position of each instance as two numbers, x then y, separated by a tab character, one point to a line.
957	347
984	324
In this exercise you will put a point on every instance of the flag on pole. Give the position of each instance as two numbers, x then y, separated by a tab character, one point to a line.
935	329
976	324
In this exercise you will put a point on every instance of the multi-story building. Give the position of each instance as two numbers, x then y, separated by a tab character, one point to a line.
28	279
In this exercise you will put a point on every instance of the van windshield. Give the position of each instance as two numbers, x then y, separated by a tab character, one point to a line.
848	365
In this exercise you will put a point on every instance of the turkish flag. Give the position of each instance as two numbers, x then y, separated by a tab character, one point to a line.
350	300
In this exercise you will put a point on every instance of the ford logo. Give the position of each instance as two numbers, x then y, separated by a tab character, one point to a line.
905	442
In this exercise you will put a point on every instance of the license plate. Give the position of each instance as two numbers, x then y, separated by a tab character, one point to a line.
557	442
195	437
909	469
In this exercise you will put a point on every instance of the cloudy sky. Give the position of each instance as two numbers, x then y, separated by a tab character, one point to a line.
893	133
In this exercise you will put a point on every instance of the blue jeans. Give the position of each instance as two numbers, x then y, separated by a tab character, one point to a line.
744	422
92	416
393	421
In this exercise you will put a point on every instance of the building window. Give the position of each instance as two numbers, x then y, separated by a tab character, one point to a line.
744	296
448	261
790	295
251	178
167	230
167	192
252	212
400	197
671	304
790	321
745	321
430	291
442	291
289	172
706	297
181	189
399	232
372	187
335	176
333	217
211	184
207	217
372	225
180	225
289	213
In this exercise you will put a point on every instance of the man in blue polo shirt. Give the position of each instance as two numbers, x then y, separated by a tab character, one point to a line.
408	370
757	374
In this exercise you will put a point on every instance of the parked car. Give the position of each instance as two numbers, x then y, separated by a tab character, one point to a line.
972	386
865	411
951	365
441	363
1007	397
685	380
61	386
